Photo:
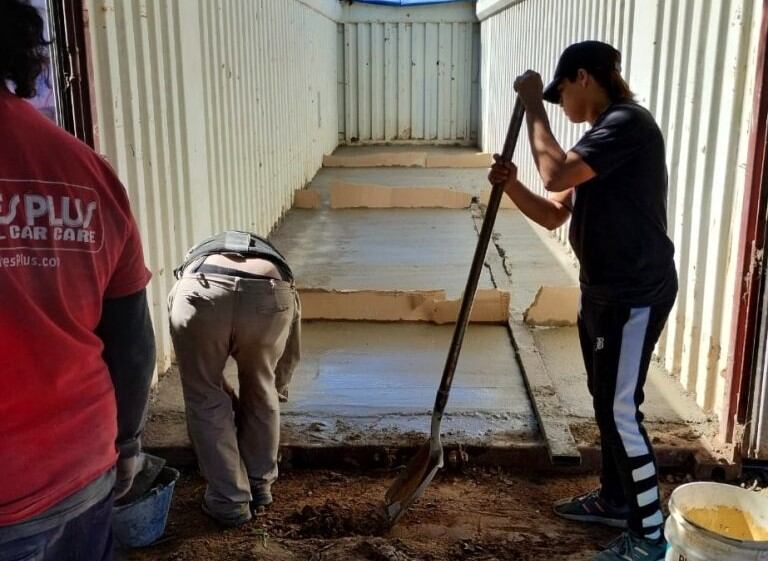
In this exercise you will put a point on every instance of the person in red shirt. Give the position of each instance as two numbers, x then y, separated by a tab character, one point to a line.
76	343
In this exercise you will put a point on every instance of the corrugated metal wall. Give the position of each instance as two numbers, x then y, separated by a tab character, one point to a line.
410	75
212	113
692	64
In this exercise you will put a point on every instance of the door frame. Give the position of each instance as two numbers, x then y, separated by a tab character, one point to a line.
70	59
745	347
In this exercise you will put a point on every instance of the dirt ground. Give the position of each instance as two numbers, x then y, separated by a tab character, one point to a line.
477	515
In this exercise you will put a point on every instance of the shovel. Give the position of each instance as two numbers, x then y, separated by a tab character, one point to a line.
412	482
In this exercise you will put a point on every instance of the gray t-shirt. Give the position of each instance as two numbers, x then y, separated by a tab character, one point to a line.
619	224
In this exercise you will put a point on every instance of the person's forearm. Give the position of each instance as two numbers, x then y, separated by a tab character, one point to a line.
129	351
547	152
546	212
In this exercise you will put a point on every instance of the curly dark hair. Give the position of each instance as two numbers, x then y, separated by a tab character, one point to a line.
23	48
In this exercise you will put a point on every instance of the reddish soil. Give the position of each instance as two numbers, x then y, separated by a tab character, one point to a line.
478	515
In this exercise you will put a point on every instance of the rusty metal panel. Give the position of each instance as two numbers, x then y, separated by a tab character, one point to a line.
212	112
692	64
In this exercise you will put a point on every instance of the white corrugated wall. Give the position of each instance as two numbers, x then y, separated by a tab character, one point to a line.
212	112
692	64
410	74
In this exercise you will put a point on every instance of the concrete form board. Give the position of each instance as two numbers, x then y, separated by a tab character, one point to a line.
554	306
401	249
561	445
431	306
470	181
306	198
408	155
366	195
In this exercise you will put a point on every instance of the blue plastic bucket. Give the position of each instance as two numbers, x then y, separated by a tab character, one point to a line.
142	522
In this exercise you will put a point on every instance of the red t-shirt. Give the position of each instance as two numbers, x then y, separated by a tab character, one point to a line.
67	242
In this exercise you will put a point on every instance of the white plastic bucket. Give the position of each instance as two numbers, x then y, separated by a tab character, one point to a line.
689	541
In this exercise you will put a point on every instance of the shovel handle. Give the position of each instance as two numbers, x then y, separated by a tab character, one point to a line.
478	261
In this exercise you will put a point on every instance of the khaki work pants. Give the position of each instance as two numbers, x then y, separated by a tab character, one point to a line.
257	322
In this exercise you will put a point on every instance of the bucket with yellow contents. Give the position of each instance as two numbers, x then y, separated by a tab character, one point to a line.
717	522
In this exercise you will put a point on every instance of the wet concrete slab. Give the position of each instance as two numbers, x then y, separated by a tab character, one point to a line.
374	385
363	393
534	258
392	249
351	368
664	399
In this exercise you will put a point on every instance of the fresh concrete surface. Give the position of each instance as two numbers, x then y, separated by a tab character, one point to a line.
374	384
393	249
530	259
533	258
363	385
665	401
350	368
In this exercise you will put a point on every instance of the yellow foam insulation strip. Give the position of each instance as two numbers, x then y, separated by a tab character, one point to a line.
458	160
362	195
379	159
554	306
490	306
506	202
306	198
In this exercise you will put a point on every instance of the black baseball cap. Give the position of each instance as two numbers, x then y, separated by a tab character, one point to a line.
592	56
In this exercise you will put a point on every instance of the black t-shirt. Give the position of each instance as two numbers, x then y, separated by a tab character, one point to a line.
619	224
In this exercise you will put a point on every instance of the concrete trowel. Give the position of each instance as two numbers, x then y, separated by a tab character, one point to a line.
412	482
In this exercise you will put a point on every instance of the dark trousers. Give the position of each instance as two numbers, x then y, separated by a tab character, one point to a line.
87	537
617	342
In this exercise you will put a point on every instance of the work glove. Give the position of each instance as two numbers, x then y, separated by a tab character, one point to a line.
127	468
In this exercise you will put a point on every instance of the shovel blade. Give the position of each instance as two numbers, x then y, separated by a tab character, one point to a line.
412	482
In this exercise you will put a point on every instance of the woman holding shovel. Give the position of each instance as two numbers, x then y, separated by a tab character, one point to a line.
613	186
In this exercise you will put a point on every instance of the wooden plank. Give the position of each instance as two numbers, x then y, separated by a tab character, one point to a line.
546	403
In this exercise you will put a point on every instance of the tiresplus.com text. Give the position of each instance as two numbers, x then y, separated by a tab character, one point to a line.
21	260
